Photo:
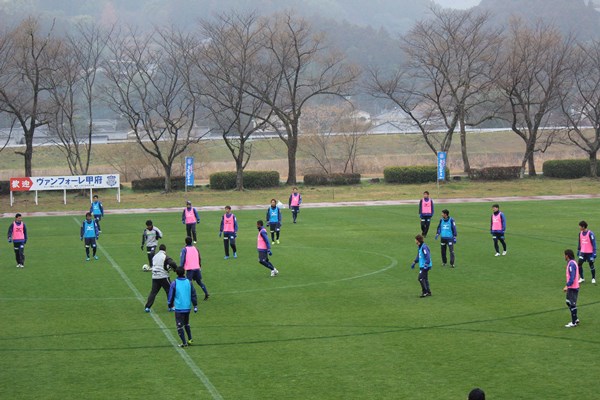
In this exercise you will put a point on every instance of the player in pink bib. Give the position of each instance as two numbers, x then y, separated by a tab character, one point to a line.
229	228
190	217
571	287
17	235
586	250
497	228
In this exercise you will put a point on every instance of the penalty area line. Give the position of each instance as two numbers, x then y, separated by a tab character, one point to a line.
188	360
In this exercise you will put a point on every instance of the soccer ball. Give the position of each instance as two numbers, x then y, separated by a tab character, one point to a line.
145	267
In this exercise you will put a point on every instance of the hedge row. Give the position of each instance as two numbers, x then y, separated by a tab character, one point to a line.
158	183
495	173
418	174
331	179
566	168
252	180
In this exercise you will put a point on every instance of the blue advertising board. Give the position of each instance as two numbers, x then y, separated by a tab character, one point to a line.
189	171
441	165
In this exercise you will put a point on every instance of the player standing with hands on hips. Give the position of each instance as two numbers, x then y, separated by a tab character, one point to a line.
424	260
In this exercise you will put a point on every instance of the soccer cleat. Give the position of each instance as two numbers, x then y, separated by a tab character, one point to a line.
234	255
570	325
195	242
277	241
497	255
451	265
206	296
424	295
190	342
87	259
577	322
272	242
593	280
183	345
581	280
95	257
171	309
444	264
147	309
274	272
226	257
504	253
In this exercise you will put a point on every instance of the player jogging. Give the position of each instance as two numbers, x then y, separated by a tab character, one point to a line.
97	211
424	260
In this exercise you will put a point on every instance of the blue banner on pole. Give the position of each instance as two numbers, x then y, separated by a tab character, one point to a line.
189	171
441	165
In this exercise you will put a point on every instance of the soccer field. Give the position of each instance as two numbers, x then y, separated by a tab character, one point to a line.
343	320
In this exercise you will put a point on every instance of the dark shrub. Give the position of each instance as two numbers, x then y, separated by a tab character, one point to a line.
568	169
416	174
331	179
158	183
495	173
252	180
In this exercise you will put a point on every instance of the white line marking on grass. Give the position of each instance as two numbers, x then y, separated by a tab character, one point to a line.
166	331
393	263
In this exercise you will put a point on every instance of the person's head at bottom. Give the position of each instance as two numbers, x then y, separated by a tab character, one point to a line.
476	394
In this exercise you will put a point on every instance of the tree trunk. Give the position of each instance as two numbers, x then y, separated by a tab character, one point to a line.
531	162
463	149
28	153
168	183
292	148
239	173
593	164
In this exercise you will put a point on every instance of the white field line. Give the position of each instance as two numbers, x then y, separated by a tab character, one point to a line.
188	360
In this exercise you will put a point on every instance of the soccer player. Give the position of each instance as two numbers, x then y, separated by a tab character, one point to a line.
17	235
150	237
586	250
425	213
97	211
90	232
229	228
191	262
424	260
497	229
182	296
274	221
294	203
572	287
190	218
447	231
161	264
264	249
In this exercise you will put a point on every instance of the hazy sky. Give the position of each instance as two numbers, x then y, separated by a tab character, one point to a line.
458	3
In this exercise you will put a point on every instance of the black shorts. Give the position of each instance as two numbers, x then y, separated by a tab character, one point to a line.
274	226
182	318
90	242
572	295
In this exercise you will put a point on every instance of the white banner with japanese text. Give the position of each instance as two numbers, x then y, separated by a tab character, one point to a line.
69	182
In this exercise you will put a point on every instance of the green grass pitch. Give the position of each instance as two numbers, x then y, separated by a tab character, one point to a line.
343	320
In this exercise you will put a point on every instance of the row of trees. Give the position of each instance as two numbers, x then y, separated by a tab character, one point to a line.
461	72
244	73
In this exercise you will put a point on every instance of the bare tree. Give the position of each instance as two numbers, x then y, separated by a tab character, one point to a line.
447	79
301	68
534	72
151	87
230	60
581	104
331	136
28	57
73	95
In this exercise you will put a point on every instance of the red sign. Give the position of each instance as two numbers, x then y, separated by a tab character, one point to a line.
20	184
